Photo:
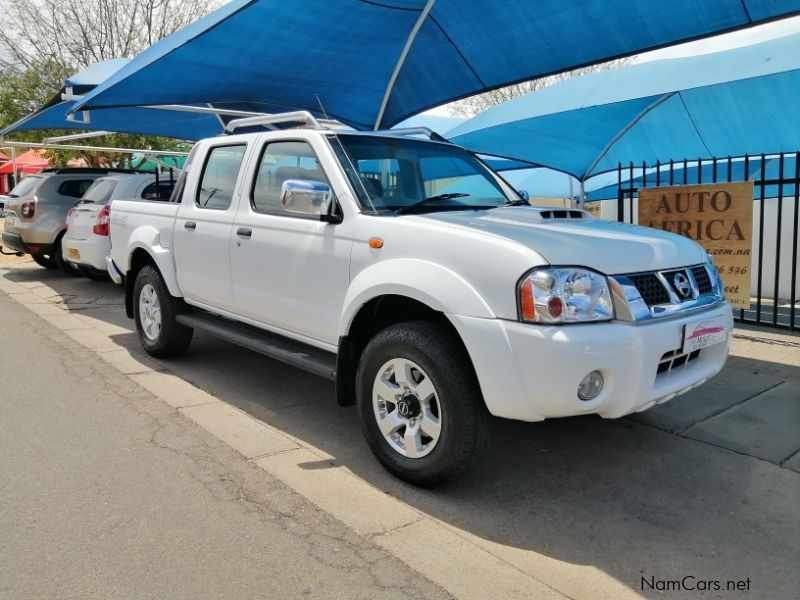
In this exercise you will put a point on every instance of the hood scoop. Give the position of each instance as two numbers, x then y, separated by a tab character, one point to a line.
550	213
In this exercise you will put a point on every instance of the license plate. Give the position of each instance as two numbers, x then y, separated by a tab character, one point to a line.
73	254
704	333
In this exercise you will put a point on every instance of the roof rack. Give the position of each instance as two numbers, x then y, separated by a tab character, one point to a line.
426	131
302	116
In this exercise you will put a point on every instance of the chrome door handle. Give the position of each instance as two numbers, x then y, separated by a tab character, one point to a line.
244	232
190	225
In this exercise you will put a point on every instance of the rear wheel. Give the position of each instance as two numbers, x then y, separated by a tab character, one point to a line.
92	273
155	312
45	260
58	256
420	404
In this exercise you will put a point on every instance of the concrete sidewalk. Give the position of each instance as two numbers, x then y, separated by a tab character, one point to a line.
583	508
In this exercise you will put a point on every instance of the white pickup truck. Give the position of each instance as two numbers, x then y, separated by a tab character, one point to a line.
418	279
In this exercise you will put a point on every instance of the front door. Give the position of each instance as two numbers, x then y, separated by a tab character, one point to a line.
202	236
290	271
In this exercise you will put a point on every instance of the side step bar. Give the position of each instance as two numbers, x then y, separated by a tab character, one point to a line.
300	355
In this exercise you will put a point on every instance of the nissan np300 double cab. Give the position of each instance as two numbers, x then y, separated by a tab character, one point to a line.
416	278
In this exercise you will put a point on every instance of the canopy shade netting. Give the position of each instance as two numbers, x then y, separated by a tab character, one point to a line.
730	103
378	62
57	114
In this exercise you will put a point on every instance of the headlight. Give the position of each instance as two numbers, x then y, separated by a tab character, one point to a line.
564	295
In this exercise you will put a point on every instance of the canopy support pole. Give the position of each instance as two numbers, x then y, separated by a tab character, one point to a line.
14	145
74	136
625	130
14	164
411	36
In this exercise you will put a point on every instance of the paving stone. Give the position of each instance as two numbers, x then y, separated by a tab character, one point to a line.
764	426
730	387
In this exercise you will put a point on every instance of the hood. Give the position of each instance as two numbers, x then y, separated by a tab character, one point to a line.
606	246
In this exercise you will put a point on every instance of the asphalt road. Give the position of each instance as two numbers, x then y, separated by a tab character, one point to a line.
107	493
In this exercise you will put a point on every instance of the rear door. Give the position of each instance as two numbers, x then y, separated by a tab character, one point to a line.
203	226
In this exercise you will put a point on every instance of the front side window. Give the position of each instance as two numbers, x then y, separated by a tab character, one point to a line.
390	174
218	179
287	161
75	187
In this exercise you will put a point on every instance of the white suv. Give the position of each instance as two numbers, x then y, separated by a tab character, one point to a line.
417	279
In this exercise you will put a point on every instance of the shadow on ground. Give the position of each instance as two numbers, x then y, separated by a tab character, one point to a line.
624	497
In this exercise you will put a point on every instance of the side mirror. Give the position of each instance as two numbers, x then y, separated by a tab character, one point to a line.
524	194
309	197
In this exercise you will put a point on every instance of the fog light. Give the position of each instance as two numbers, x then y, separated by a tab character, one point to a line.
590	386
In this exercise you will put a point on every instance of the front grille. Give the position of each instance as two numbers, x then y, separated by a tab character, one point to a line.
674	358
650	289
702	279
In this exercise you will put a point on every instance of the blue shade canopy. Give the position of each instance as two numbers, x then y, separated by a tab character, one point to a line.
731	103
147	121
376	62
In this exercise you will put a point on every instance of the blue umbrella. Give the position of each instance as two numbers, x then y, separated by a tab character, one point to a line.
374	63
731	103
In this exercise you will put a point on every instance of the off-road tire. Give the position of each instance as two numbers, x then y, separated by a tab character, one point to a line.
465	422
173	338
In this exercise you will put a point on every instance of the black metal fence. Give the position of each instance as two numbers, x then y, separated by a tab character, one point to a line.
776	179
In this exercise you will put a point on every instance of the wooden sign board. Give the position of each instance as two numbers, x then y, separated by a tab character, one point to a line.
718	216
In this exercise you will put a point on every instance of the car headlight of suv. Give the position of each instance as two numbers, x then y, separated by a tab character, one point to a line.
564	295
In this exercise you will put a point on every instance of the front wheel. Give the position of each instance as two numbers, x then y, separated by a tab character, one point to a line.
155	312
420	404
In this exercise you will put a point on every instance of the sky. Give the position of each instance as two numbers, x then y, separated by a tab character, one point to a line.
726	41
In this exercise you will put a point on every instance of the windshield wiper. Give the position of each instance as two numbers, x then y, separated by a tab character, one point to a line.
428	200
517	202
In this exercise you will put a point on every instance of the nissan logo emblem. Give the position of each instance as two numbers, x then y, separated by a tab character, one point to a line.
682	285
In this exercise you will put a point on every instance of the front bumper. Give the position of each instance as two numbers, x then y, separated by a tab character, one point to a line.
531	372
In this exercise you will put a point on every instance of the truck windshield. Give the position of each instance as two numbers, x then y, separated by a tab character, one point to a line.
394	176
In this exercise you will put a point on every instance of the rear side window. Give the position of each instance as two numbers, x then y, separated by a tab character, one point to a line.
100	191
75	187
218	179
25	187
160	191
